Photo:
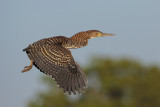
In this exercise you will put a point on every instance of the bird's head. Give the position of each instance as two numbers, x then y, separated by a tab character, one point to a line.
97	33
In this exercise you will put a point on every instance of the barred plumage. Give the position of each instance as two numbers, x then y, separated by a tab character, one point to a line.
53	57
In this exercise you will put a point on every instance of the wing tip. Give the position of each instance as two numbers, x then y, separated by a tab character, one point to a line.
76	87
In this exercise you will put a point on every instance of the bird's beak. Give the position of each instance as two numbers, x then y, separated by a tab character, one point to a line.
107	34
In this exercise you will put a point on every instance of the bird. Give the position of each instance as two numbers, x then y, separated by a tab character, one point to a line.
53	57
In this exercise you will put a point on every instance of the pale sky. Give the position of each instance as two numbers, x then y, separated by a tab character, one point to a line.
136	24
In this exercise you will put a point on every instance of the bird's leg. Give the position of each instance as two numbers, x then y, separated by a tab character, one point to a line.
27	68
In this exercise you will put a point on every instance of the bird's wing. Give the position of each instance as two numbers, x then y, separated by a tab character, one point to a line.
58	62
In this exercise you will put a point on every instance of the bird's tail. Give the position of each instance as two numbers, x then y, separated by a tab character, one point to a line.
26	49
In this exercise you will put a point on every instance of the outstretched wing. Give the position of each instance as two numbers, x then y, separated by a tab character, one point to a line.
57	61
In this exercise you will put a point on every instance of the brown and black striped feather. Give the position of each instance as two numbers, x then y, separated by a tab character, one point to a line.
55	60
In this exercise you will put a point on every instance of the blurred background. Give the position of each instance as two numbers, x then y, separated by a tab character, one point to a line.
123	70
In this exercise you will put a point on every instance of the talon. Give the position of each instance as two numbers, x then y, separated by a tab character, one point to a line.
27	68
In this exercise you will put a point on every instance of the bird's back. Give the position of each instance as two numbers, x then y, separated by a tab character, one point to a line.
57	40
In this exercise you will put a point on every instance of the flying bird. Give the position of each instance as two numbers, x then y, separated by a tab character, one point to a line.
53	57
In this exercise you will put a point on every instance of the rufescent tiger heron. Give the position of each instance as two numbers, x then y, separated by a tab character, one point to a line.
53	57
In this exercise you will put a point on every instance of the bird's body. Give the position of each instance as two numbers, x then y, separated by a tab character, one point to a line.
53	57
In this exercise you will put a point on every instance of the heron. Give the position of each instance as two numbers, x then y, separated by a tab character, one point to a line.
53	57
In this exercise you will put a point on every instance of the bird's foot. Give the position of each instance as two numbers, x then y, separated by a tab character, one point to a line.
27	68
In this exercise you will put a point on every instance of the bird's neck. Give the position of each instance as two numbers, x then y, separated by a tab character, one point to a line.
73	43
